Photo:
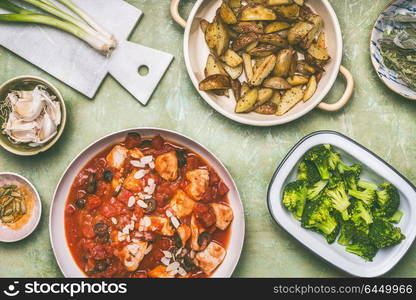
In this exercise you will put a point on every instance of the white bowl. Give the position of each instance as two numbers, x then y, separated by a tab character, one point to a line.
9	235
57	233
196	53
374	169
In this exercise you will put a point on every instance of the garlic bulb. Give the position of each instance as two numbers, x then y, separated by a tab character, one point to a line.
34	117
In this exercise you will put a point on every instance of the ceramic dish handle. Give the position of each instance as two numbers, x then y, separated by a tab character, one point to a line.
174	11
345	97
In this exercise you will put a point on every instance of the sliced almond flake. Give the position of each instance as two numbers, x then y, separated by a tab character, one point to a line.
146	222
131	202
169	214
133	249
167	254
134	218
140	174
152	165
165	261
173	266
142	204
175	222
114	220
137	164
147	159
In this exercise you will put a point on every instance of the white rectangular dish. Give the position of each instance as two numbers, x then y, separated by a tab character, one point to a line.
374	169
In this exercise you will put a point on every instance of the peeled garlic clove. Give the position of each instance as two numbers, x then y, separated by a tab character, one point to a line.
29	108
47	130
53	108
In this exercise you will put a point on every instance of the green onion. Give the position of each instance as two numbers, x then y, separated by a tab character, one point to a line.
85	28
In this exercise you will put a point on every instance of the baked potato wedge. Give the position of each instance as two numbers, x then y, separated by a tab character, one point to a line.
246	27
265	94
235	3
283	62
247	101
289	99
263	70
231	58
215	82
299	32
321	41
304	68
299	2
279	2
263	50
318	53
233	72
276	98
310	88
213	67
217	37
236	89
296	80
227	14
243	40
288	12
248	67
268	108
276	27
277	83
318	23
257	13
273	39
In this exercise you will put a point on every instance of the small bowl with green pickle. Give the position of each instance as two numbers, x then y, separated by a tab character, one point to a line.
32	115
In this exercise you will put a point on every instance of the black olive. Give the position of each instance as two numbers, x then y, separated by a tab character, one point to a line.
177	240
151	205
108	176
80	203
92	184
204	239
101	229
181	155
189	265
103	239
101	266
145	144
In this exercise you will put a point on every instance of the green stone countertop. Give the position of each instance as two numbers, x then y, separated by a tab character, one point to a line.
376	118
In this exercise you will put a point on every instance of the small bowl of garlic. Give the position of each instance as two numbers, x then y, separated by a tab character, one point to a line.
32	115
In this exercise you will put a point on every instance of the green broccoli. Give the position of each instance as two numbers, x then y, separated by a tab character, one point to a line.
333	158
367	196
319	155
367	185
317	216
294	197
347	233
308	172
314	190
383	234
364	250
339	199
351	176
360	215
388	201
330	238
396	217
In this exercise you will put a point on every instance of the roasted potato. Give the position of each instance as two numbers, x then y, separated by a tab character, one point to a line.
279	45
277	83
263	70
257	13
231	58
215	82
247	101
243	40
246	27
276	27
310	88
283	62
289	99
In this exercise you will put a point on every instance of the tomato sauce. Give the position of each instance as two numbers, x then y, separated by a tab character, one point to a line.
108	211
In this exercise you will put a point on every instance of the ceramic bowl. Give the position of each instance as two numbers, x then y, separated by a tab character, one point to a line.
196	53
375	170
9	235
57	213
387	76
29	82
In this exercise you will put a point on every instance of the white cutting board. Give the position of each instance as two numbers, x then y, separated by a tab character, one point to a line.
83	68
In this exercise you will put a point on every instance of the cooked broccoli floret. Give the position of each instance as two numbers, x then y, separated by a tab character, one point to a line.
365	250
367	185
333	158
314	190
383	234
339	199
319	155
317	216
294	197
367	196
351	176
360	215
396	217
330	238
388	200
308	172
347	233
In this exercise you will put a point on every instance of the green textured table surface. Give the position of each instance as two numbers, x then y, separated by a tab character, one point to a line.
378	119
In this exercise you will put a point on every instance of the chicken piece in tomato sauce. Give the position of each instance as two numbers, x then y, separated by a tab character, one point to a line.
147	207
